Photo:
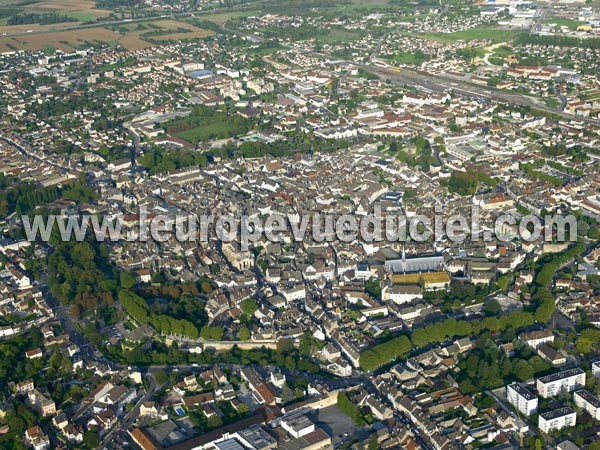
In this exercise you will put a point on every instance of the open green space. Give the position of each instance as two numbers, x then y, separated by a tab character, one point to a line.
480	33
407	58
503	51
82	16
572	24
204	124
205	132
326	7
552	102
338	36
221	18
363	5
6	12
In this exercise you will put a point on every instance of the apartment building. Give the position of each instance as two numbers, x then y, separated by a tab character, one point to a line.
596	369
522	399
557	419
567	380
588	402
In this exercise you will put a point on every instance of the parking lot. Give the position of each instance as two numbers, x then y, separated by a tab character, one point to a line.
338	425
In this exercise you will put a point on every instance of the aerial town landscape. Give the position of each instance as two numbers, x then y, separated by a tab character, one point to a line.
480	330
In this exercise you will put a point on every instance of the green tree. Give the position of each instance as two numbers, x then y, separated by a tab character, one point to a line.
588	341
523	371
211	333
503	282
127	280
346	406
373	444
249	307
91	438
584	345
244	334
492	308
214	422
285	346
161	377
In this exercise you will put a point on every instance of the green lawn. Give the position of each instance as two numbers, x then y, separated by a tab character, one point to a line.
572	24
355	7
81	16
221	18
338	36
204	123
493	34
370	2
500	54
6	11
496	60
503	51
205	133
552	102
361	6
406	58
263	50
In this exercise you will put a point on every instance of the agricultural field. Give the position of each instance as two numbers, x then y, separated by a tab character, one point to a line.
79	10
162	30
131	37
82	7
63	40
